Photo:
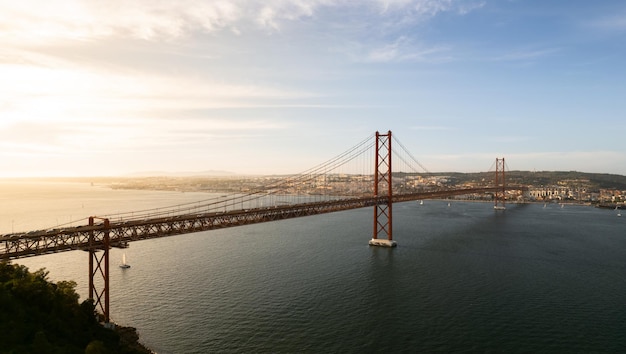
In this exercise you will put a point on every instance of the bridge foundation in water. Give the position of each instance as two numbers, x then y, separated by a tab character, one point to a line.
383	242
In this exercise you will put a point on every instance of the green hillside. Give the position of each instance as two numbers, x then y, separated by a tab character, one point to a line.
38	316
594	181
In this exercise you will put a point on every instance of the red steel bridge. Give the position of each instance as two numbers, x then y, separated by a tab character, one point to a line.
103	232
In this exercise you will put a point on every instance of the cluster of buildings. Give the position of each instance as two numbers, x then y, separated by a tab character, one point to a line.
564	193
357	185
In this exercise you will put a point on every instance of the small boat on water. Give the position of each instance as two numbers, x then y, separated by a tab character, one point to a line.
124	265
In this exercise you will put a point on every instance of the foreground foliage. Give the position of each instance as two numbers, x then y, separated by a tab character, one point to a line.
38	316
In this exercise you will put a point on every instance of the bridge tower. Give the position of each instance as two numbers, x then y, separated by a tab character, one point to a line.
99	269
499	196
383	193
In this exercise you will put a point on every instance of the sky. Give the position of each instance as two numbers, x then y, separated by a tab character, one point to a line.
106	88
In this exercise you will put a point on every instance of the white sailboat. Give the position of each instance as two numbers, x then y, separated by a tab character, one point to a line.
124	265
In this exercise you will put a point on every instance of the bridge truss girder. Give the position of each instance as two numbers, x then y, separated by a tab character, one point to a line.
120	233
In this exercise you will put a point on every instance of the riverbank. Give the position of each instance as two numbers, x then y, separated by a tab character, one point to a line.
547	202
129	338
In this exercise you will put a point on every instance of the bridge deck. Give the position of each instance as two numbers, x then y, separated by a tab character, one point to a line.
87	237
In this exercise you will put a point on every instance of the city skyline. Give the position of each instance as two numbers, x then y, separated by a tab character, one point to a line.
276	87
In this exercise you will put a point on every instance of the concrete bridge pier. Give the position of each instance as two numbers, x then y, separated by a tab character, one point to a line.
383	242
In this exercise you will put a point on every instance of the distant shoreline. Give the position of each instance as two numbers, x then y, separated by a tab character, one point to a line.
569	202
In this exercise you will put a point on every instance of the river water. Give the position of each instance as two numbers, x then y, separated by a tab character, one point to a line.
464	278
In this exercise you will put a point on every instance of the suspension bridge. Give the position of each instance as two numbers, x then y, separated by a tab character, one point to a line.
332	186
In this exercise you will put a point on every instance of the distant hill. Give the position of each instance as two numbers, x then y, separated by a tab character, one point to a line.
548	178
208	173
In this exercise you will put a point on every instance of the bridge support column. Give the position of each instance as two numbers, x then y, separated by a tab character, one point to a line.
499	196
382	182
99	269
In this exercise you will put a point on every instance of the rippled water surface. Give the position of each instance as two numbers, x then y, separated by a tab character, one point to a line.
463	278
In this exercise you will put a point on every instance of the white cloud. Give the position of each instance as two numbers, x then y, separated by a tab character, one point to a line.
386	53
404	49
417	10
49	89
526	54
95	80
468	7
47	22
271	13
150	20
78	19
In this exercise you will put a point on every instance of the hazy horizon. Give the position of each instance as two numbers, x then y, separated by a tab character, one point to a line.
227	174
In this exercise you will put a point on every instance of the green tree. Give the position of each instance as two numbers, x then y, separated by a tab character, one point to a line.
38	316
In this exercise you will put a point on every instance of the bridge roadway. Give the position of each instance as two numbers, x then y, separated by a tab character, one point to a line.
87	237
